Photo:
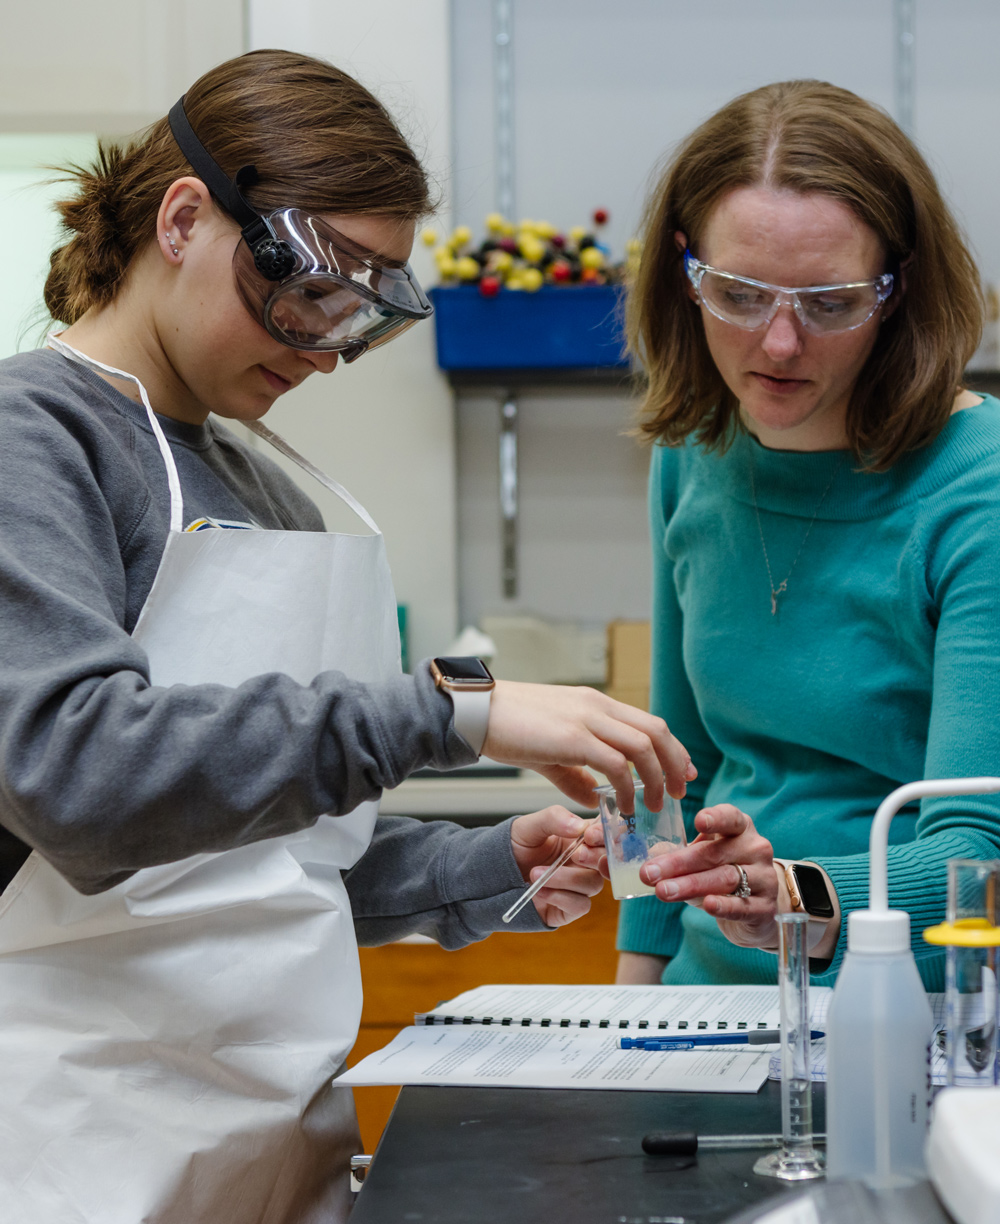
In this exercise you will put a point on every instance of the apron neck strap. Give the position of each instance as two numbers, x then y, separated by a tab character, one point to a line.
279	444
173	480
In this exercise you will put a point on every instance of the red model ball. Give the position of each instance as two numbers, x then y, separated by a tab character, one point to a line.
489	286
600	216
560	270
508	245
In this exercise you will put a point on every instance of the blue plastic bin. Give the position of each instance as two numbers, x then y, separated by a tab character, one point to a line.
564	327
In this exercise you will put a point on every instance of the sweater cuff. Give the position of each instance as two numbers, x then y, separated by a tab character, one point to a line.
650	926
918	876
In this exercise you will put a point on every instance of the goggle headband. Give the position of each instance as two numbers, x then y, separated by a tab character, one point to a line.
273	258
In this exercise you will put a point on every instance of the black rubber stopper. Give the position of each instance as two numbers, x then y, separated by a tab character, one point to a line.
670	1143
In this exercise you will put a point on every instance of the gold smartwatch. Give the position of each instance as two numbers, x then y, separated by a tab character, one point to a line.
808	894
468	683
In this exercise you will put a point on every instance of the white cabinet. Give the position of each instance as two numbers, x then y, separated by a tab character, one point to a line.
108	66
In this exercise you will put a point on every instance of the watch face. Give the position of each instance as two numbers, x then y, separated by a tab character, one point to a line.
812	889
464	668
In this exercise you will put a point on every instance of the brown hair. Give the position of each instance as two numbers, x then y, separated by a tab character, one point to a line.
808	136
319	140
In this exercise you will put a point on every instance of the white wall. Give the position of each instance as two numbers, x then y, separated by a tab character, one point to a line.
384	425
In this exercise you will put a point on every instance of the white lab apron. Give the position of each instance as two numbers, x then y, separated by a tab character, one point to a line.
166	1047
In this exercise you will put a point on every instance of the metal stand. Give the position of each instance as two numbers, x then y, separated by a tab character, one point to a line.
508	494
905	21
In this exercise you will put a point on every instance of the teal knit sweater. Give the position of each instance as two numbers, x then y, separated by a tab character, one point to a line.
881	666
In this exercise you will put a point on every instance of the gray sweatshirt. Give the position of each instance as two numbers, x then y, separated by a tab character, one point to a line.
103	773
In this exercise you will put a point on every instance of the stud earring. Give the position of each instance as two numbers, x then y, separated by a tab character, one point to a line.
172	247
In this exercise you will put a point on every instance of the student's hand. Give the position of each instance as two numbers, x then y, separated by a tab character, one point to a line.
704	874
537	841
560	731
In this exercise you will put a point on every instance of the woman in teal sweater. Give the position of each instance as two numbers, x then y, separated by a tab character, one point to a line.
825	510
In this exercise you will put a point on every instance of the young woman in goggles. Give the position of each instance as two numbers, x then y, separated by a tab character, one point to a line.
196	723
823	500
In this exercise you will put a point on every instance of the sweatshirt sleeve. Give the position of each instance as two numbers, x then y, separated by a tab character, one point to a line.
436	878
647	924
104	773
962	564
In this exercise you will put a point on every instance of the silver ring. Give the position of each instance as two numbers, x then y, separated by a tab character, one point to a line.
742	890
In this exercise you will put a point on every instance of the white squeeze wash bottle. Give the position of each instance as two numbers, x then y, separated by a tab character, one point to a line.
880	1026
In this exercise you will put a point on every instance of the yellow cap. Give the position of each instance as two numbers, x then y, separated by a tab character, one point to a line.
965	933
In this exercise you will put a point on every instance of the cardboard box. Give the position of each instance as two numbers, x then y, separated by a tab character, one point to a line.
628	655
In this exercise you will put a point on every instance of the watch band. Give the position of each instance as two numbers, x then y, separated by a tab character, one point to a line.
468	683
472	715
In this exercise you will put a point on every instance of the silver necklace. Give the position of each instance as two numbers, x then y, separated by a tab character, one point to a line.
782	586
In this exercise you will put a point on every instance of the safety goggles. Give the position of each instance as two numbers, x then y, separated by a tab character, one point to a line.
309	286
820	309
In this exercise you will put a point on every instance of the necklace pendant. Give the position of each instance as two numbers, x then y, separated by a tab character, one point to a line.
774	603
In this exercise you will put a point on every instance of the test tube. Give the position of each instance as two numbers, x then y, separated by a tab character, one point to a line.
797	1159
971	974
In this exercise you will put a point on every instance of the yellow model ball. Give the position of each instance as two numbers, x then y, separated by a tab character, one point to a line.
429	237
592	257
577	232
460	236
495	223
531	279
501	261
447	267
532	248
467	268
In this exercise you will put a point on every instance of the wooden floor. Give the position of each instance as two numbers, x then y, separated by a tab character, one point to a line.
401	979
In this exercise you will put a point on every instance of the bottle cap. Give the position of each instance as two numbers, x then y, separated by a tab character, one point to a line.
878	931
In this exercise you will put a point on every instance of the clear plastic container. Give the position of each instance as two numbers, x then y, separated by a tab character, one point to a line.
879	1030
629	838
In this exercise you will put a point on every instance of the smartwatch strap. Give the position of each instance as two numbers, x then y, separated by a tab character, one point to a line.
472	715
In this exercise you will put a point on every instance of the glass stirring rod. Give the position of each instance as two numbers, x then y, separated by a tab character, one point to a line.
531	892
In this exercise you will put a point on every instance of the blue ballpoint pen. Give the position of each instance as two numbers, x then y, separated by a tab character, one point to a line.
746	1037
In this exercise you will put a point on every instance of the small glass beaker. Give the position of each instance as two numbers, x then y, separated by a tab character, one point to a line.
628	839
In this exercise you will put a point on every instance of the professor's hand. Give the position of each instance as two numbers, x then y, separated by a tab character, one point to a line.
705	874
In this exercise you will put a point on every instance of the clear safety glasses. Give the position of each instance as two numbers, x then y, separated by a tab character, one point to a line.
309	286
337	297
751	304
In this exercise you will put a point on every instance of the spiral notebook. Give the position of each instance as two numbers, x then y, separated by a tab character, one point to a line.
567	1037
663	1009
